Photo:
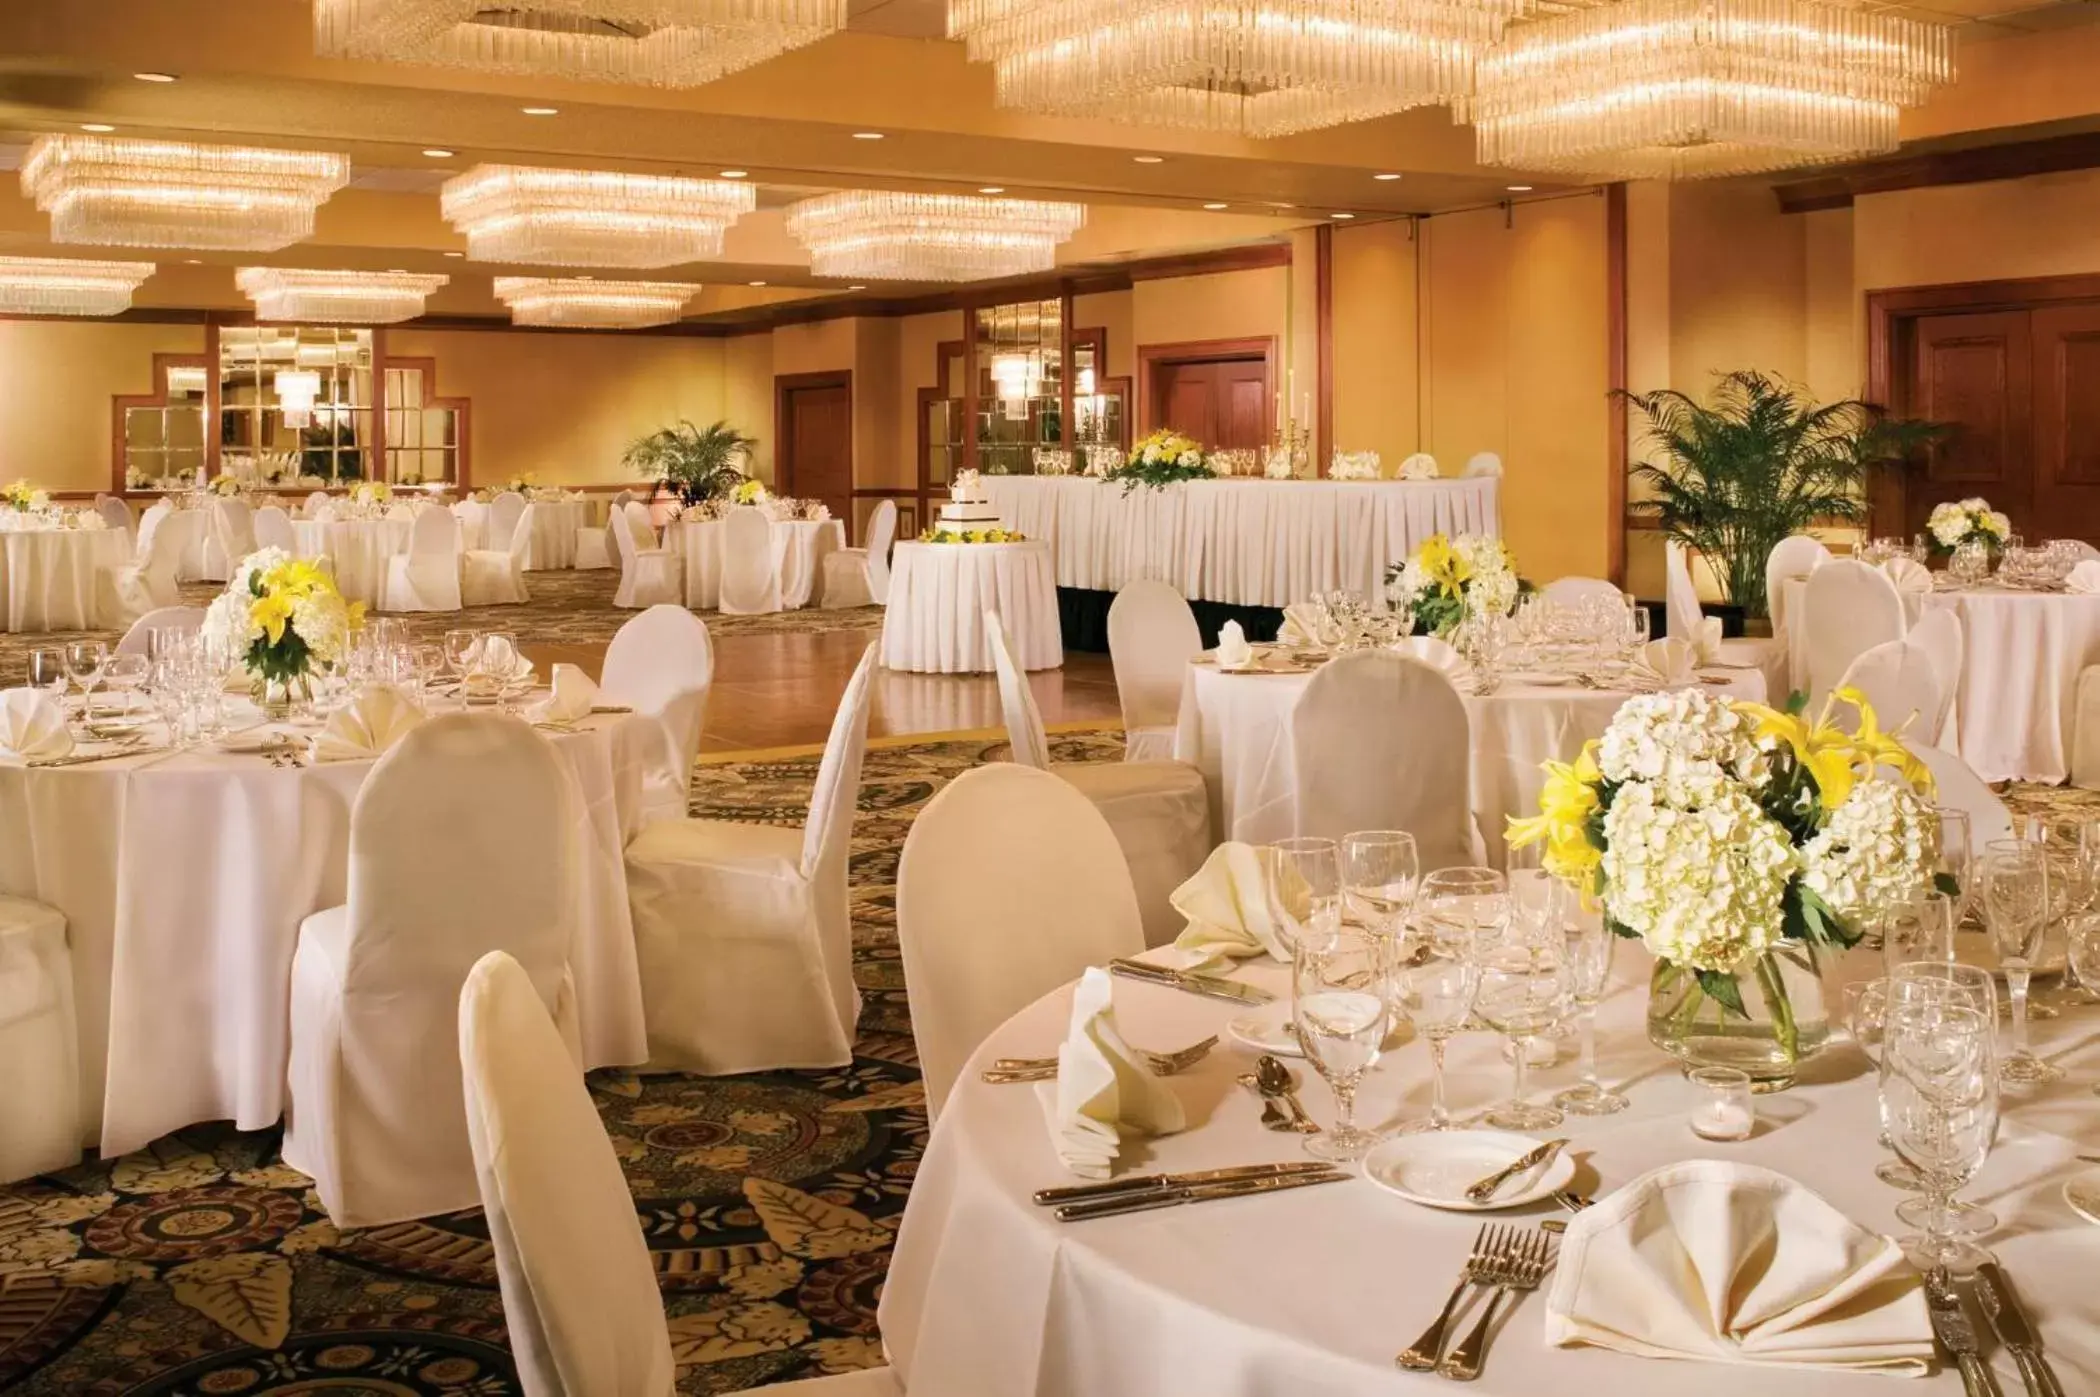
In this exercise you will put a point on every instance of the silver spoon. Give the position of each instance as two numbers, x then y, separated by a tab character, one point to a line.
1275	1080
1272	1115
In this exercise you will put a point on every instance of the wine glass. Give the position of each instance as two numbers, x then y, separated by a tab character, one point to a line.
1939	1097
1588	949
1921	929
428	662
1866	1005
1339	1008
1955	857
85	660
2082	948
126	673
1434	986
1305	887
1972	987
460	649
2016	903
1379	872
1523	995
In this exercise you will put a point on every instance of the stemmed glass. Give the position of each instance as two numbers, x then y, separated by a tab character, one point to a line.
1866	1014
2016	902
1955	859
1972	987
1939	1095
1435	985
1380	870
2082	948
85	660
1588	948
460	648
125	674
1339	1008
1305	887
1523	995
1922	929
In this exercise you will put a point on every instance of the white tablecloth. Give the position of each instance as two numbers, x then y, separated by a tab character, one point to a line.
183	885
1236	729
59	579
1310	1293
799	546
192	530
939	593
1247	542
358	549
554	526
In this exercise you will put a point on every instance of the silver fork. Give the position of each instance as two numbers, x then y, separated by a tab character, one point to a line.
1489	1244
1524	1267
1030	1069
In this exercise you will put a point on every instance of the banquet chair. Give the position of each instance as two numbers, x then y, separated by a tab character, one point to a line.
426	577
148	583
744	933
401	512
232	538
462	841
861	576
1482	463
1152	636
506	513
495	576
1960	788
660	664
1381	741
1573	592
115	512
313	504
1014	848
40	1124
1938	632
1898	681
594	550
1683	616
581	1300
649	575
1794	557
273	529
166	618
1848	608
750	573
1420	466
1159	810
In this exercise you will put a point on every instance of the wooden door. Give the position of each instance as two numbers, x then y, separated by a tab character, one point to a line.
1973	372
1222	403
2066	431
814	439
1188	400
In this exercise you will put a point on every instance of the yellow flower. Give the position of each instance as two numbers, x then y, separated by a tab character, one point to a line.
273	612
1443	564
1565	806
1874	747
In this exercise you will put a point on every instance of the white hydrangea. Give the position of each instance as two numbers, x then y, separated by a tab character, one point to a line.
1701	878
1404	586
1954	520
1677	738
1875	851
1189	460
1151	455
1493	588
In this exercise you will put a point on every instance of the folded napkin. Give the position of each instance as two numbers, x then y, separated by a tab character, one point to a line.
1420	466
1705	641
1670	663
1912	578
2084	579
571	694
1440	653
1731	1263
1305	623
1229	906
1103	1089
375	720
1233	650
32	727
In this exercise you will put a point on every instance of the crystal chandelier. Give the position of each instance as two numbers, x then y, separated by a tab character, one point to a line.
328	298
296	390
585	304
1671	89
131	193
1260	67
55	286
661	43
893	236
591	218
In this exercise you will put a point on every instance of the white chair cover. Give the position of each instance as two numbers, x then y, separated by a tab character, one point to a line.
166	618
580	1298
1681	610
311	507
401	511
40	1124
495	576
1482	463
324	510
1796	556
743	932
1896	677
1152	636
1025	734
427	576
1007	847
231	539
2085	730
861	576
750	573
1572	592
273	529
1960	788
459	845
1848	608
148	582
115	512
594	546
660	663
1938	632
1381	741
649	575
506	512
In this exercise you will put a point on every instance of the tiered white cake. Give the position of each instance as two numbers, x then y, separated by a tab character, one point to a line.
969	505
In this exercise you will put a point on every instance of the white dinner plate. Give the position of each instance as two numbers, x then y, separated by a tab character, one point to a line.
1434	1167
1267	1030
1540	679
2082	1192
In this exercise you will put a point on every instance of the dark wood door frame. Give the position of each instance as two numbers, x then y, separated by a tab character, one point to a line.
783	459
1153	357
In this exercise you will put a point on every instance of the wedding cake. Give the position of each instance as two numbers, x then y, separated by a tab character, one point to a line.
969	505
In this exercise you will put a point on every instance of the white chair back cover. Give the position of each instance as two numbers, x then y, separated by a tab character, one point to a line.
1960	788
1024	721
620	500
433	537
324	510
115	512
882	532
312	504
157	561
1420	465
1848	608
150	521
827	836
1898	680
1796	556
1681	610
580	1299
1152	636
750	577
504	513
1938	632
233	524
519	540
1003	846
1572	592
166	618
635	517
433	562
273	529
401	510
660	663
1483	463
1381	741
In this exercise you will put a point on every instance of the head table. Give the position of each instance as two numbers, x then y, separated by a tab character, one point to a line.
54	579
1311	1293
183	879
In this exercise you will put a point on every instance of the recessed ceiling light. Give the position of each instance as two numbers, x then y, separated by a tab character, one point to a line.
733	174
587	277
541	111
867	135
1214	206
1149	159
758	283
1385	176
992	189
1341	215
856	288
154	77
1518	188
455	254
440	153
193	261
99	128
1284	206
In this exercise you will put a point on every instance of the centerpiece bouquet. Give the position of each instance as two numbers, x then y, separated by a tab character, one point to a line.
942	533
1956	522
749	490
1449	579
227	486
1162	459
1737	842
23	497
375	494
1354	465
523	483
280	616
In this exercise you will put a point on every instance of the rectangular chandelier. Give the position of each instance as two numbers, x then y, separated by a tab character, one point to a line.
582	303
57	286
1674	89
892	236
337	298
591	218
658	43
114	191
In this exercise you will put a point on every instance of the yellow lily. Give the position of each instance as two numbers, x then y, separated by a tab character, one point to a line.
273	612
1877	748
1827	753
1565	806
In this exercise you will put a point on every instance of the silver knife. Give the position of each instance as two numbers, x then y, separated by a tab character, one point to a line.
1137	1182
1994	1293
1199	1193
1483	1190
1210	985
1950	1325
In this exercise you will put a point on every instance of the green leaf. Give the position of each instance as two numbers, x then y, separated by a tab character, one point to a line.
1721	987
1947	883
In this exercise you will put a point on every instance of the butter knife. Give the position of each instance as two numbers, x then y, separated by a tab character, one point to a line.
1197	1193
1994	1293
1950	1325
1483	1190
1142	1182
1209	985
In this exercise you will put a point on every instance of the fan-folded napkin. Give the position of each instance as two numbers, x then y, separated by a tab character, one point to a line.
1705	640
1731	1263
1229	908
1305	623
1420	466
1440	654
1912	578
32	727
571	694
1233	650
1103	1089
2084	580
1670	663
375	720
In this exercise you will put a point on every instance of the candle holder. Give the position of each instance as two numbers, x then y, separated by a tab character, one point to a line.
1724	1109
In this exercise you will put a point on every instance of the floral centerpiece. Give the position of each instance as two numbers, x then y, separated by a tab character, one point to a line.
23	497
942	533
374	493
522	482
1737	842
281	615
1354	465
227	486
1449	579
1161	459
749	490
1956	522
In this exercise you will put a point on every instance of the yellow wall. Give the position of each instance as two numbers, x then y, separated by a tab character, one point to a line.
1374	341
747	395
59	377
2042	226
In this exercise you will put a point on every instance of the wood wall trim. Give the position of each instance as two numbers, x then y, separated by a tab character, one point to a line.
1151	356
1323	353
1615	331
784	384
2016	159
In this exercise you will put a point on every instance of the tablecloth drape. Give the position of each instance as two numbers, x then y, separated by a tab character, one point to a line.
939	593
358	549
59	579
799	546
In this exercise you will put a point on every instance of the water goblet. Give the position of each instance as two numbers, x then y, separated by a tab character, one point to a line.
1434	985
47	671
1588	948
1523	994
1921	929
85	660
1305	887
1340	1011
1939	1091
2016	901
1380	869
126	675
2082	949
460	648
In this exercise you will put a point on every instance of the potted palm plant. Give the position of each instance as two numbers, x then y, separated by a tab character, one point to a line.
1761	460
693	463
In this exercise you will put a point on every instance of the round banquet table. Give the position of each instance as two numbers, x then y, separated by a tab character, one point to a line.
358	549
184	878
1310	1293
192	530
939	593
799	547
59	579
554	527
1236	728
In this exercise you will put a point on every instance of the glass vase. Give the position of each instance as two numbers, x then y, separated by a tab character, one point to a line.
283	698
1782	1024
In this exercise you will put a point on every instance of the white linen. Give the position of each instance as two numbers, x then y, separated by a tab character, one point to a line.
1243	541
570	696
1229	908
1669	663
939	593
2022	655
2084	579
1233	650
32	726
1420	466
800	547
60	579
1731	1263
1102	1089
357	549
1378	741
39	1044
1152	634
554	524
367	726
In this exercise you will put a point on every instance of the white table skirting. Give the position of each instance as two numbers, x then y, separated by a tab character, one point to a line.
939	593
1310	1293
799	547
183	886
59	579
358	550
1245	542
192	530
554	526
